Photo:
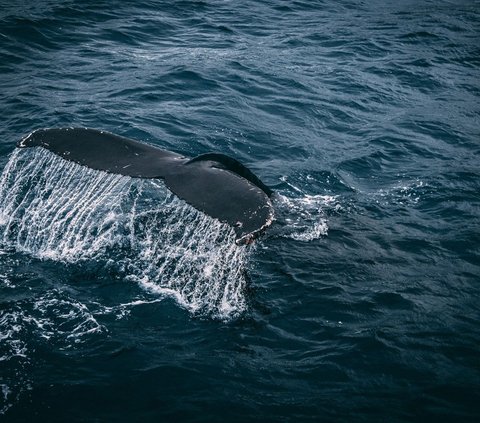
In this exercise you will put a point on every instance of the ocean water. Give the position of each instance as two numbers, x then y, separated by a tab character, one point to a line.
119	302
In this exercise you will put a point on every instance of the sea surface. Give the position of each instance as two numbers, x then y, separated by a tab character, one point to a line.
120	303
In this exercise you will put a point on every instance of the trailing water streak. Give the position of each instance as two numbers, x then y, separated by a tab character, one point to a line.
55	209
51	210
194	259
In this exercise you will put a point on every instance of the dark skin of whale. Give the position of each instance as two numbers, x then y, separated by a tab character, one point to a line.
213	183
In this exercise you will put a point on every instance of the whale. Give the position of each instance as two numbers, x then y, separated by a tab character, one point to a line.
214	183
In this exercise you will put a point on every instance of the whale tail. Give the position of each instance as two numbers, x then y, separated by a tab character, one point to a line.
213	183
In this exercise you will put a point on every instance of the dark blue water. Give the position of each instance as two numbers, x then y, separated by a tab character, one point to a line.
120	303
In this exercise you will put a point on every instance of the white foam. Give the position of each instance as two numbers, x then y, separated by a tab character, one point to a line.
60	318
6	393
302	217
12	345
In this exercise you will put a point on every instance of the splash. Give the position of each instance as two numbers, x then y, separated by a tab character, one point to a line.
55	209
301	216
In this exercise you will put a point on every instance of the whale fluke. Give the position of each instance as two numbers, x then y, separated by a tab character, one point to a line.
213	183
